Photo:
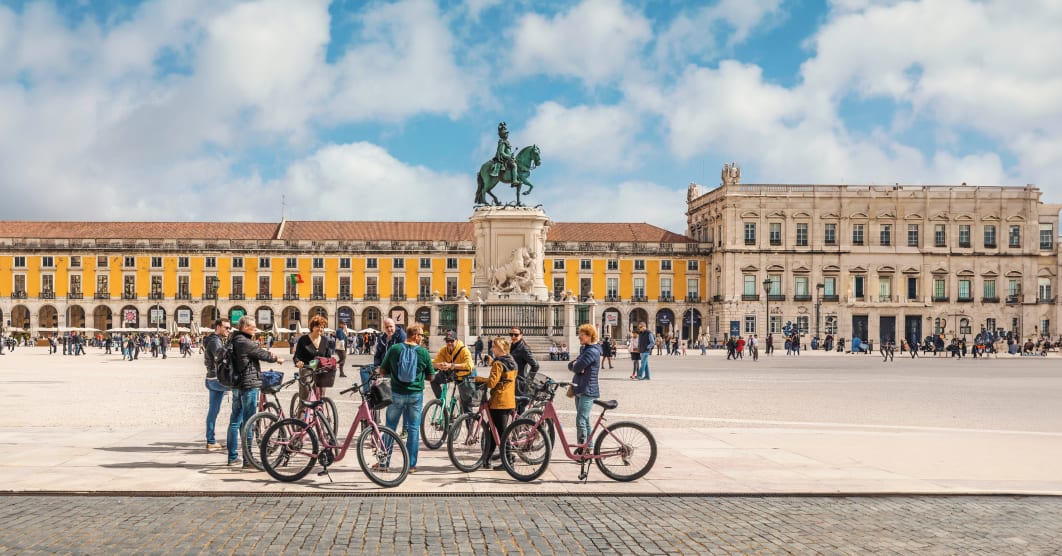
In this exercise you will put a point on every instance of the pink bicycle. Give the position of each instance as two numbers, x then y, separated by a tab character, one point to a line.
623	451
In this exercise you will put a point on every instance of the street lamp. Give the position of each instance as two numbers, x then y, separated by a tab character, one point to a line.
767	301
819	288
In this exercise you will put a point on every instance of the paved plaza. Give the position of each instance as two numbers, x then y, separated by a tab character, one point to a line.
747	451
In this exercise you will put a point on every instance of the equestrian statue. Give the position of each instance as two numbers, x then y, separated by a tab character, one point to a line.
506	167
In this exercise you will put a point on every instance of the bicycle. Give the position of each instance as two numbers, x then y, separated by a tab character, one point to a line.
269	412
438	415
291	447
467	442
315	393
526	451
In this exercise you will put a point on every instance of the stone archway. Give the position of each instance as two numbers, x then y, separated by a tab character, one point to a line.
317	310
291	318
400	315
611	323
102	318
75	316
20	317
665	323
237	311
370	318
263	316
129	317
691	324
637	316
207	317
47	318
423	316
183	316
345	315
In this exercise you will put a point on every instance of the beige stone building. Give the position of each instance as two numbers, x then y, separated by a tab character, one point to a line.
877	262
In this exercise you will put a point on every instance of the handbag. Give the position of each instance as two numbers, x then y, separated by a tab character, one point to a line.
571	391
325	376
380	394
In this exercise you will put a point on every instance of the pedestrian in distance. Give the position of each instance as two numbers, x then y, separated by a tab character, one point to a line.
341	348
606	352
636	358
646	341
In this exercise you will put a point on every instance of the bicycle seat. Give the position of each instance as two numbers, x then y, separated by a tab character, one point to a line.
313	404
611	404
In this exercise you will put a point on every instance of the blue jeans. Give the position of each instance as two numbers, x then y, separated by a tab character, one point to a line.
583	406
408	407
643	371
217	393
244	405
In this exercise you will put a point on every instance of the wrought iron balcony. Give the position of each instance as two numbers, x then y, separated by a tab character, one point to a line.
961	299
213	296
344	297
398	298
156	296
372	297
291	297
75	295
1045	299
717	298
20	294
239	296
129	295
750	297
264	297
1013	299
990	245
47	294
776	297
693	298
612	299
184	296
639	299
317	296
831	298
103	295
989	300
423	297
666	298
942	299
804	297
750	242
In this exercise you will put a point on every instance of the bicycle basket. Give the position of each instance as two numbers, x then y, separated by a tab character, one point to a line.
379	395
539	388
271	381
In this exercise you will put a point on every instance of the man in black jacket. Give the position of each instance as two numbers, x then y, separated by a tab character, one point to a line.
246	356
212	343
526	366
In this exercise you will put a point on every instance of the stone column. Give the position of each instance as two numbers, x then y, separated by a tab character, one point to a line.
571	330
462	318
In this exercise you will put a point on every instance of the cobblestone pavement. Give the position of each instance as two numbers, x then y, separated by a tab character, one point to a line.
530	525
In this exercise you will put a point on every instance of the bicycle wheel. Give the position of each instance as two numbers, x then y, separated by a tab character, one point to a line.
383	458
328	409
525	450
632	450
252	433
536	414
289	450
433	425
466	442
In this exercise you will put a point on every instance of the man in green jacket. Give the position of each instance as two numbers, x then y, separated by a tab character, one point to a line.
408	397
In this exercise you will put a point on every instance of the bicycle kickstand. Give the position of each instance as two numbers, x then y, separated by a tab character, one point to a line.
326	474
584	470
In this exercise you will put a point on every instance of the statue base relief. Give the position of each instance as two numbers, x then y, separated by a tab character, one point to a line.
510	244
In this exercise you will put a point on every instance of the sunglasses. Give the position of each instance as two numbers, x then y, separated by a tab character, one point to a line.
514	335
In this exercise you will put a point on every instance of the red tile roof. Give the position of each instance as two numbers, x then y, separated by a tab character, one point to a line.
326	230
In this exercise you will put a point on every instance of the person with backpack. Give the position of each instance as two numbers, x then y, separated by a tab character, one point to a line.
408	364
502	386
245	357
213	344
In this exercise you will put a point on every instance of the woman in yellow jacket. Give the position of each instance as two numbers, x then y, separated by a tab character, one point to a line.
502	385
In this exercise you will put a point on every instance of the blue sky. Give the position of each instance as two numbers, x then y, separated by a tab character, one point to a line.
215	110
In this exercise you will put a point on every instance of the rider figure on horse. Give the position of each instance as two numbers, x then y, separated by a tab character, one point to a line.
504	156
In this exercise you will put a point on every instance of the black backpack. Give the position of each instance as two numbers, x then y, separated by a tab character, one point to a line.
225	365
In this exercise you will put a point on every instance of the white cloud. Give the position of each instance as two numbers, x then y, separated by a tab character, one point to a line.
698	32
595	41
477	7
630	201
589	137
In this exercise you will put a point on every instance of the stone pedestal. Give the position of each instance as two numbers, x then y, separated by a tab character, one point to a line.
510	243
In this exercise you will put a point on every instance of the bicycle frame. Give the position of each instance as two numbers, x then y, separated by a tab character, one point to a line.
363	414
550	414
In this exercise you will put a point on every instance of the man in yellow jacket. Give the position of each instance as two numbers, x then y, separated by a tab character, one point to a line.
454	357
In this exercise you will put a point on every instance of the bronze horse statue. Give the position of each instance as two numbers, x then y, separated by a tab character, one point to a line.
527	159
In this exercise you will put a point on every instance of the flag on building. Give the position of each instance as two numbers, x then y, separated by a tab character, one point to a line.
295	278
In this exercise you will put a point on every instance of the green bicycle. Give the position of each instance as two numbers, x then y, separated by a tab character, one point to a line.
438	415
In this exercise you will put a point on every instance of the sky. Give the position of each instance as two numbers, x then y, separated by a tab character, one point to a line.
370	110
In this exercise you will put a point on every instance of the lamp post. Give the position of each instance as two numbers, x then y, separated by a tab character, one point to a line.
819	288
767	301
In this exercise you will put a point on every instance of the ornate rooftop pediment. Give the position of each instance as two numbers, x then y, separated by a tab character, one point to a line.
940	216
1014	274
989	274
829	216
775	268
831	268
886	214
858	216
776	214
963	218
801	214
859	269
911	270
801	268
940	270
965	272
750	214
913	216
1016	218
750	268
887	269
990	218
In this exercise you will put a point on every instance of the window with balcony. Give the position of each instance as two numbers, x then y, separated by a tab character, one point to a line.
129	286
964	235
965	291
829	288
612	289
1014	238
613	264
210	287
558	287
398	263
20	286
371	263
829	234
372	288
639	289
156	287
859	287
1043	290
750	233
558	264
802	234
47	286
1013	290
990	236
989	290
451	263
425	263
940	235
693	290
344	288
237	288
20	262
912	235
665	290
857	234
584	264
317	288
1047	236
75	286
424	288
665	265
912	288
801	289
184	289
775	291
884	289
749	286
264	289
398	287
885	235
775	233
639	264
265	262
451	288
103	290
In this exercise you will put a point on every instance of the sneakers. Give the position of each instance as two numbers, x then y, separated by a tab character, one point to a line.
214	446
234	462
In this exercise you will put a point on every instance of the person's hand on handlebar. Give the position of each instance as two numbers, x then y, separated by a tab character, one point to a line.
298	364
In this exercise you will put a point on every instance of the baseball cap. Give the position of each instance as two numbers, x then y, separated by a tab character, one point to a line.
451	336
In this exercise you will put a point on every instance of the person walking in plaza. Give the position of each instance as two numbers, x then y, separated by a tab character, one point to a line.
478	347
740	348
585	369
606	352
247	358
217	392
309	348
646	341
769	345
453	356
341	347
754	347
636	358
408	396
502	386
